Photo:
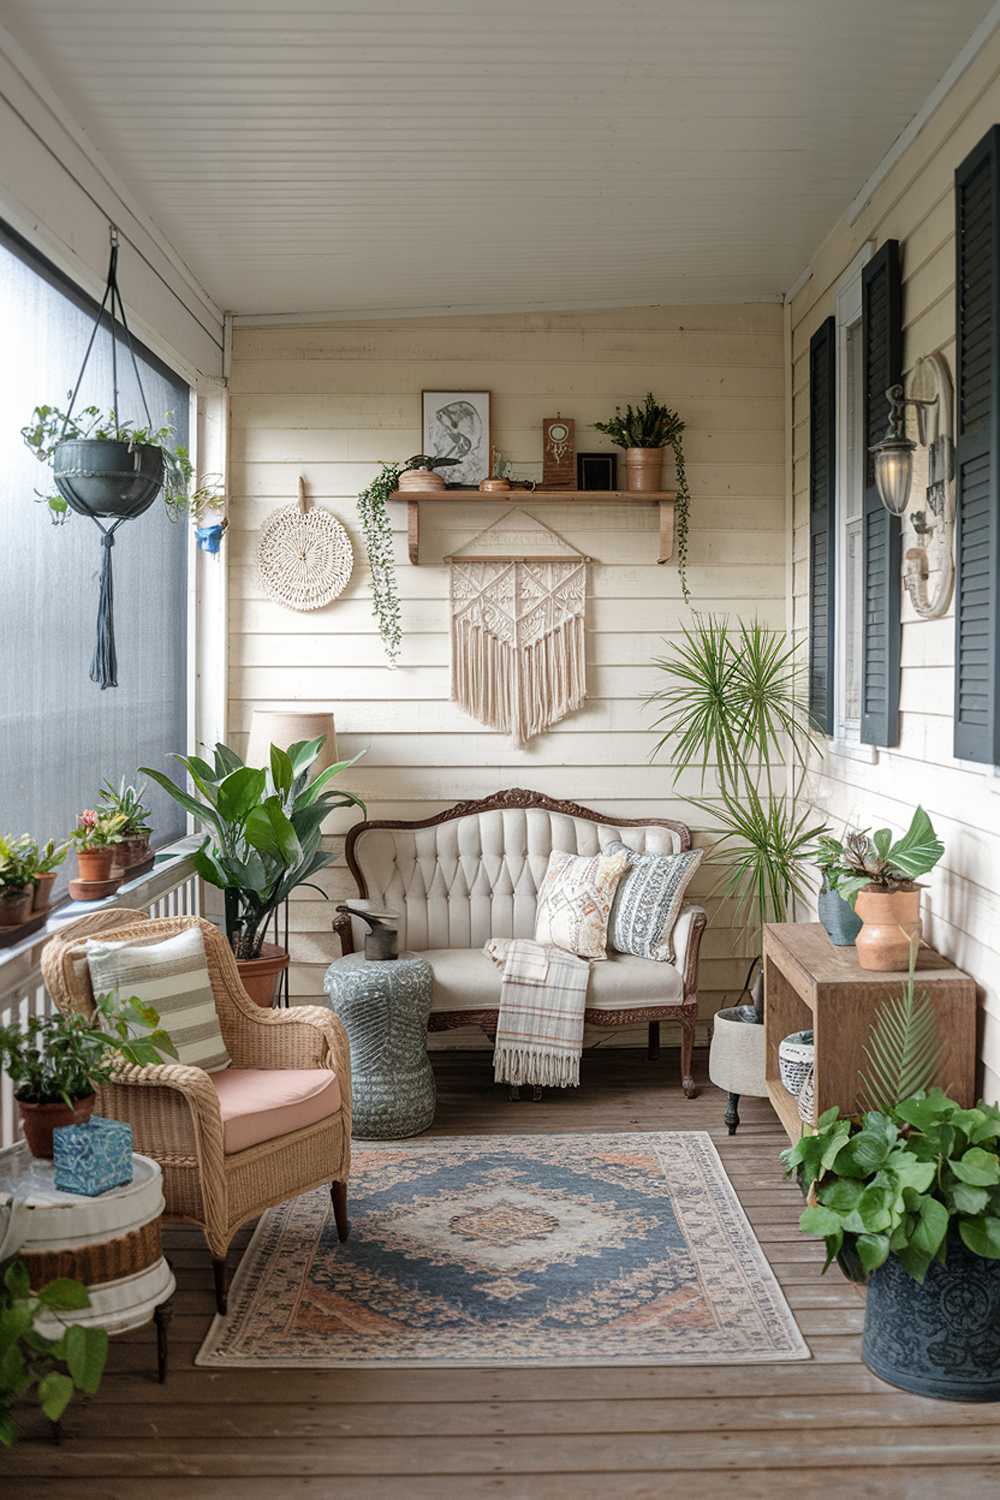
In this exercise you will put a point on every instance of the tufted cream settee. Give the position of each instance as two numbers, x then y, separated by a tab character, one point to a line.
473	873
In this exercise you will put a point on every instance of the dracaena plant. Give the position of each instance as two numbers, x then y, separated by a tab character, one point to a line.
263	829
880	862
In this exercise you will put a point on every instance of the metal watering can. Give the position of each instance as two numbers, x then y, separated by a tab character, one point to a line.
382	941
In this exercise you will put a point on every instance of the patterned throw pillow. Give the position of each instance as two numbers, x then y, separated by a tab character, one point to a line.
648	901
172	976
574	902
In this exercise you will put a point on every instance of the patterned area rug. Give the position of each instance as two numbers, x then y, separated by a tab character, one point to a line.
514	1250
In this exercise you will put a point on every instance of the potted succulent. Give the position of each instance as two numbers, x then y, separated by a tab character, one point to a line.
263	840
877	875
55	1062
17	874
418	473
32	1362
133	847
644	431
47	862
838	916
94	838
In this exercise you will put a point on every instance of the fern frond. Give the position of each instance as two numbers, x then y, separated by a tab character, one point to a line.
903	1050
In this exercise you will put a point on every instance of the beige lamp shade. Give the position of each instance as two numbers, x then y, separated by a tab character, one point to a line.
284	727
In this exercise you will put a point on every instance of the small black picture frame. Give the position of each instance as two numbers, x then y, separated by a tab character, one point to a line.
597	471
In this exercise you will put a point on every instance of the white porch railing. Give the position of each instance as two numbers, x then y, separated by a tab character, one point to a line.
170	889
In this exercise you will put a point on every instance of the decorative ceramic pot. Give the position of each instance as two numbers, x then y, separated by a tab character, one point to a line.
39	1121
97	477
643	469
736	1057
890	920
94	864
795	1060
494	486
421	481
260	976
15	906
838	916
42	892
941	1338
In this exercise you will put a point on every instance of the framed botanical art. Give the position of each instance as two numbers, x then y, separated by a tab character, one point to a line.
456	424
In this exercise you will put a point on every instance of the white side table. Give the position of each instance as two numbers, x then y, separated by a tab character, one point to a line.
111	1243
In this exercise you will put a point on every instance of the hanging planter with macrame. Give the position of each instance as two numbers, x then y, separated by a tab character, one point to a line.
110	470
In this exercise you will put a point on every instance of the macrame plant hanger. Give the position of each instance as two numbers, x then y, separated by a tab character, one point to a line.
104	666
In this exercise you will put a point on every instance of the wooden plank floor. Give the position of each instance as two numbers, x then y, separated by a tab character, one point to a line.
823	1428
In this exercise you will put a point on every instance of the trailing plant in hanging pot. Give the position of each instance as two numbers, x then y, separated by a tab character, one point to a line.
644	431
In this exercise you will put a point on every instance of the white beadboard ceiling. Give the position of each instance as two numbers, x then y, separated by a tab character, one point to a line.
366	155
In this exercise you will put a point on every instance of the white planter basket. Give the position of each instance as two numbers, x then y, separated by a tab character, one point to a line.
795	1060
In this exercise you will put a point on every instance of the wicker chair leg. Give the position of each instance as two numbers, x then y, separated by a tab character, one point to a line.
338	1193
221	1283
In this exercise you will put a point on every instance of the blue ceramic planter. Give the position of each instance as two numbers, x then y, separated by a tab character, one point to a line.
841	921
942	1338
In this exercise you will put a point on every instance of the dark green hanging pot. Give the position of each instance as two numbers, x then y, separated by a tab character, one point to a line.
97	477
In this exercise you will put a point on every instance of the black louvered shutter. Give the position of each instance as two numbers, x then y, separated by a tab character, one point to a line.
881	617
822	521
977	290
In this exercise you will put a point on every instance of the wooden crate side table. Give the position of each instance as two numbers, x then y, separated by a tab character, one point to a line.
808	983
110	1242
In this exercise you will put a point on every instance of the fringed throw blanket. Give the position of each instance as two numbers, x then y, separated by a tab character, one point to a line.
543	996
518	638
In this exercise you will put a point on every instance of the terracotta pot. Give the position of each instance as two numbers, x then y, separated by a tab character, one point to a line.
39	1121
94	864
129	852
42	893
260	976
15	906
643	469
890	919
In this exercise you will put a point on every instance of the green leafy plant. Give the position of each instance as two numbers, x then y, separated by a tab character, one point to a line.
654	426
428	462
879	862
377	531
18	862
33	1363
733	705
50	856
49	426
127	801
98	829
264	829
62	1058
904	1049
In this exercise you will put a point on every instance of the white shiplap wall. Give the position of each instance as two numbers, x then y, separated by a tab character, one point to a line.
915	204
328	402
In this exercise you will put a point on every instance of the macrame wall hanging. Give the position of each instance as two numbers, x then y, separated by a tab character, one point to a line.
518	637
304	555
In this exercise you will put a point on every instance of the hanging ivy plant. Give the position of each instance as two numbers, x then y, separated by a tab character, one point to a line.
377	531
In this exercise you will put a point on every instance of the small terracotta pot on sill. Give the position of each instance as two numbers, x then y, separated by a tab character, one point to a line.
94	864
260	976
128	853
15	906
42	893
643	470
891	919
39	1121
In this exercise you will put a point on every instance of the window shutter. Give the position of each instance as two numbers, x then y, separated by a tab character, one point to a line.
977	547
881	621
822	521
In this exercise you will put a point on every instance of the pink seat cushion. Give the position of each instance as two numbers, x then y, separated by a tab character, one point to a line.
258	1104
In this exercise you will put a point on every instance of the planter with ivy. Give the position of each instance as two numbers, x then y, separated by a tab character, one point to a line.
644	431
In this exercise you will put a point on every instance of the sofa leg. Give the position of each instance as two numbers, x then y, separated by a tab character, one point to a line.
688	1084
338	1193
219	1273
513	1093
653	1048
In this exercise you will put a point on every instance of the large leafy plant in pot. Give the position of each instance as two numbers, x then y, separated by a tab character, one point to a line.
263	841
877	874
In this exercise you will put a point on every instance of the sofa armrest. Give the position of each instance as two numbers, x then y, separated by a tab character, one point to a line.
687	941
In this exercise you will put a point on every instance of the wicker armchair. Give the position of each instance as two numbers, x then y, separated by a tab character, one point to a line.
174	1110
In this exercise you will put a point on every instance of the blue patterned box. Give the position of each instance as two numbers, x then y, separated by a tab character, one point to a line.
92	1158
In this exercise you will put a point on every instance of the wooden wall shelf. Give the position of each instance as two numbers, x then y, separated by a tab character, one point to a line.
664	499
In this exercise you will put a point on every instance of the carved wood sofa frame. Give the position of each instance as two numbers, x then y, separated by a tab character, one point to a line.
683	1012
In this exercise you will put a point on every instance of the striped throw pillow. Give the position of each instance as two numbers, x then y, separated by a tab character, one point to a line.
648	902
172	976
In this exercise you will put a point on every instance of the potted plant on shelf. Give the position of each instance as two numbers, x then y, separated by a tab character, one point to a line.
877	875
94	838
17	874
55	1062
47	862
838	916
644	431
263	841
133	846
32	1362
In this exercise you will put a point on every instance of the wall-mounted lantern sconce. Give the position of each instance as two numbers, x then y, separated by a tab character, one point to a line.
934	525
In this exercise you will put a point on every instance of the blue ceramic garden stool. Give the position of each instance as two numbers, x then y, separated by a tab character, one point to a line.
385	1006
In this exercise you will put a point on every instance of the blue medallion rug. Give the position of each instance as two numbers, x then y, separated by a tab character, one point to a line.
515	1250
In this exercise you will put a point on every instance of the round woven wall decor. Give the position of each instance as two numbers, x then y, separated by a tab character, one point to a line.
304	557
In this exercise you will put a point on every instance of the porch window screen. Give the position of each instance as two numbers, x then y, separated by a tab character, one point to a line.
60	736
